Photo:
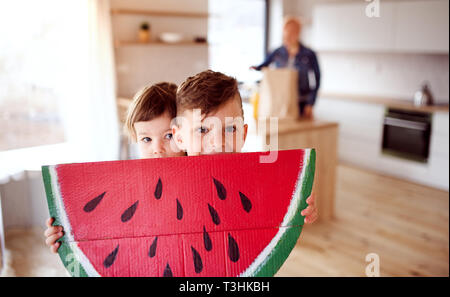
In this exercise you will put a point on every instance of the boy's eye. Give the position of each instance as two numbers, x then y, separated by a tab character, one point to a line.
168	136
230	129
202	130
146	139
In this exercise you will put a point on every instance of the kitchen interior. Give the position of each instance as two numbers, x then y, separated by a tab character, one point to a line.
380	122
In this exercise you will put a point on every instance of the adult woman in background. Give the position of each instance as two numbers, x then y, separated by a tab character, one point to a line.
293	54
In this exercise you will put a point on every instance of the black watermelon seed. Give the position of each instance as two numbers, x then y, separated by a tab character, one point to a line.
128	214
207	240
111	258
221	191
233	249
179	210
214	215
91	205
152	250
198	265
167	271
246	203
158	189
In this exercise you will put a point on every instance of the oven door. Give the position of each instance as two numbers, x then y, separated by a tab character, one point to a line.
407	135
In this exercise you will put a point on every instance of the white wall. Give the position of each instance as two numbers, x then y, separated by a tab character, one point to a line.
276	24
140	65
383	74
24	201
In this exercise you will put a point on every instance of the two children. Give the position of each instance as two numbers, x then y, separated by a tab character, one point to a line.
204	116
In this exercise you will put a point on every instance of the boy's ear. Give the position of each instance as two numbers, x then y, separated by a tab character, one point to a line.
245	131
178	138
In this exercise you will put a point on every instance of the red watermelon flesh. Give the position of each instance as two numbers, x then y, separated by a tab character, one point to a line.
219	215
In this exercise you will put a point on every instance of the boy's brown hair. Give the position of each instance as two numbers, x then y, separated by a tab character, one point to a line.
149	103
207	91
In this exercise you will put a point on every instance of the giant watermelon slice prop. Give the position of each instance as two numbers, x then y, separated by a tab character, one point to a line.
217	215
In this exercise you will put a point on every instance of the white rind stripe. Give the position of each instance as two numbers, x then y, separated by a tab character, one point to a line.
80	256
293	206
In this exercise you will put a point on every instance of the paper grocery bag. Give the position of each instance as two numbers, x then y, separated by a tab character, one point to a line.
279	94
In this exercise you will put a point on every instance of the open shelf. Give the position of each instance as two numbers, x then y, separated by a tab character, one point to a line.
159	13
158	43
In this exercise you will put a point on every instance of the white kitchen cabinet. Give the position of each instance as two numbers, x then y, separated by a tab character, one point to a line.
403	26
360	142
346	27
440	135
360	129
439	149
422	26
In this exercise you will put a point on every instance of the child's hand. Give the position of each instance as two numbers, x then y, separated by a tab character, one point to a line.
53	233
310	212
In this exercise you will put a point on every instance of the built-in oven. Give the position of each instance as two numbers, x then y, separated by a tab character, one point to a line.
406	134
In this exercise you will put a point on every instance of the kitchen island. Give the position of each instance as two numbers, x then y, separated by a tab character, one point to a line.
295	134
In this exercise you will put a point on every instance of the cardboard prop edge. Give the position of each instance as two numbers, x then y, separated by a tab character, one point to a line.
65	251
286	241
289	238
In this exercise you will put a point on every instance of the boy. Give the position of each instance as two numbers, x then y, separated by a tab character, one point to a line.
148	124
210	120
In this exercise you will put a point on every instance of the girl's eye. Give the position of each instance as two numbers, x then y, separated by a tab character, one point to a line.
230	129
146	139
202	130
168	136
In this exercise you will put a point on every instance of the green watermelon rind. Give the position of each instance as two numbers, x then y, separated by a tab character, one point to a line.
68	251
266	264
270	259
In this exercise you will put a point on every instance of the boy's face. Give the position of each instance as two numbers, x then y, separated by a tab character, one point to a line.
221	131
154	138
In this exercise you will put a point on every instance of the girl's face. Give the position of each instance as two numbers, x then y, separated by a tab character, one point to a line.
154	138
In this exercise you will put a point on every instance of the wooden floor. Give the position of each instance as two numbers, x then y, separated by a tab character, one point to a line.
405	224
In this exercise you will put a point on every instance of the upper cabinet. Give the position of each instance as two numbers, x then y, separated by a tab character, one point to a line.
402	26
422	26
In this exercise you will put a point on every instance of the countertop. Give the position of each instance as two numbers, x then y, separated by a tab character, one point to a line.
388	102
286	126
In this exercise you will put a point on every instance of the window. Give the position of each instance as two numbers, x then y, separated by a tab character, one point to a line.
34	39
236	32
57	93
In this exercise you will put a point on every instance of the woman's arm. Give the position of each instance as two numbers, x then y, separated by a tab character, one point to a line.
267	61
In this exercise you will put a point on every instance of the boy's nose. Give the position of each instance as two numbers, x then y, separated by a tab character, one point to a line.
159	147
217	142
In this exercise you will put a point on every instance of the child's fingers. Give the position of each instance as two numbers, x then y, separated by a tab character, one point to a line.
49	231
52	230
53	238
307	211
49	222
311	199
311	219
54	248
